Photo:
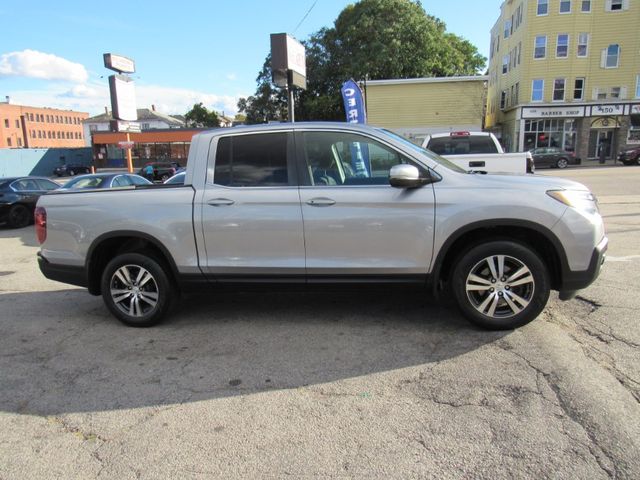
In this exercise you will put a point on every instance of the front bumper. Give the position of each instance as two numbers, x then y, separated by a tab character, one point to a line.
63	273
573	281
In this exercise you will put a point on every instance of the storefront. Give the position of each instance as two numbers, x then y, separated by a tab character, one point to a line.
148	146
592	131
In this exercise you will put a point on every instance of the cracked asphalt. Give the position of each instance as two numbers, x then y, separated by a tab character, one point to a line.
377	384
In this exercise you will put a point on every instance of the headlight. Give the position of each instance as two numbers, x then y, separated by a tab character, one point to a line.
582	200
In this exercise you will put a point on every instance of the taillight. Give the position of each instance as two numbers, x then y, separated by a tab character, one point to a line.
40	219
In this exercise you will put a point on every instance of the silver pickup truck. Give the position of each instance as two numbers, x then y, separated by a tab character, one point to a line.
326	203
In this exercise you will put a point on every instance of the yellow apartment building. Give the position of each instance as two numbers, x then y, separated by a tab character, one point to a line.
416	107
22	126
566	73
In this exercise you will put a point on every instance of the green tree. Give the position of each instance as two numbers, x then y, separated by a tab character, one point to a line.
200	116
374	39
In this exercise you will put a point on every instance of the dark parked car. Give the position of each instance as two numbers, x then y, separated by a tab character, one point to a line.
630	156
71	170
162	171
177	179
18	197
105	180
553	157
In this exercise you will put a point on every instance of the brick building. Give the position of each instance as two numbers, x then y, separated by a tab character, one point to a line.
22	126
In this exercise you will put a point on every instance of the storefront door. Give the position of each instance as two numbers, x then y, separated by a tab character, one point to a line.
601	142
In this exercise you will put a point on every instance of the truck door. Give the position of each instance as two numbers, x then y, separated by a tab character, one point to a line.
251	216
355	223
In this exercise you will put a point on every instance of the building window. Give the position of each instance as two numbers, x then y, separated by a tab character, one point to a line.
8	141
637	86
583	44
615	92
507	28
562	46
519	51
33	134
586	6
565	6
17	123
6	123
578	89
31	117
39	133
505	63
537	90
503	100
614	5
145	126
543	7
19	142
558	89
540	50
611	56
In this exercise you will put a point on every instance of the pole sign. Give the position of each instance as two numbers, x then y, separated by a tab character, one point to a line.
123	98
118	63
288	61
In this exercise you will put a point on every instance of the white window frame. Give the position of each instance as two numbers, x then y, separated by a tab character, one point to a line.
615	92
533	89
586	54
505	64
560	7
606	56
582	10
582	90
535	46
558	45
539	4
507	28
564	90
608	5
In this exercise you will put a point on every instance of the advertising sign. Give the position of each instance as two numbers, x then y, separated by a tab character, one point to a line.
635	110
288	55
603	110
356	113
118	63
552	112
123	97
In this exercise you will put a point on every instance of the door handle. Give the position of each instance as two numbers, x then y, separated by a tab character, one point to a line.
321	202
477	164
220	202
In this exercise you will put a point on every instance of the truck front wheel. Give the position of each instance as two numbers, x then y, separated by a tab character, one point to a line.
137	290
500	285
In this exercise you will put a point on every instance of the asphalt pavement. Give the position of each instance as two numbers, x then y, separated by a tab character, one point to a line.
353	384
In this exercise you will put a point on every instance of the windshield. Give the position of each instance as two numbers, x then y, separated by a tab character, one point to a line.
433	156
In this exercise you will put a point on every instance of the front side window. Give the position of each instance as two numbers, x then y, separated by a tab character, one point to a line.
340	158
25	185
578	89
612	56
562	46
540	50
583	44
258	160
543	7
537	90
565	6
586	6
558	89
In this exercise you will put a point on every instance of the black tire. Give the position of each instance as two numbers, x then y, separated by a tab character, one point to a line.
72	173
19	216
562	163
137	309
509	310
164	177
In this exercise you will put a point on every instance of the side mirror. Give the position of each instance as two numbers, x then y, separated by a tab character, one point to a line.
406	176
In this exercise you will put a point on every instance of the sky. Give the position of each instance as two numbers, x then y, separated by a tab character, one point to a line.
185	51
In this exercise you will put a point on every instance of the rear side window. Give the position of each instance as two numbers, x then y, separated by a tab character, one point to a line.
462	145
258	160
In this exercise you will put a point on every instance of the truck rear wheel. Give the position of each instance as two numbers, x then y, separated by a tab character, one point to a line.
137	290
500	285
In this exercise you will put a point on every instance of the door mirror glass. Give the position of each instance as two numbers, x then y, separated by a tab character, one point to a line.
406	176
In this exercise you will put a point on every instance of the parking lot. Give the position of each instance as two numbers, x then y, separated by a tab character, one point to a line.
353	384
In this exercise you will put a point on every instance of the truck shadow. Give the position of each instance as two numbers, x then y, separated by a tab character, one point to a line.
62	352
27	235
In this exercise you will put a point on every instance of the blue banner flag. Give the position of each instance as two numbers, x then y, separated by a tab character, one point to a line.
356	113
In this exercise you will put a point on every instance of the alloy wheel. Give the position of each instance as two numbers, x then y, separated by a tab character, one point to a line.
134	290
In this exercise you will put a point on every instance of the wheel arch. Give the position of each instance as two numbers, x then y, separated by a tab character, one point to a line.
538	238
110	244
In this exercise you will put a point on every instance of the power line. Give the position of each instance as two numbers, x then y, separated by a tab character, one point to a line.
305	17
